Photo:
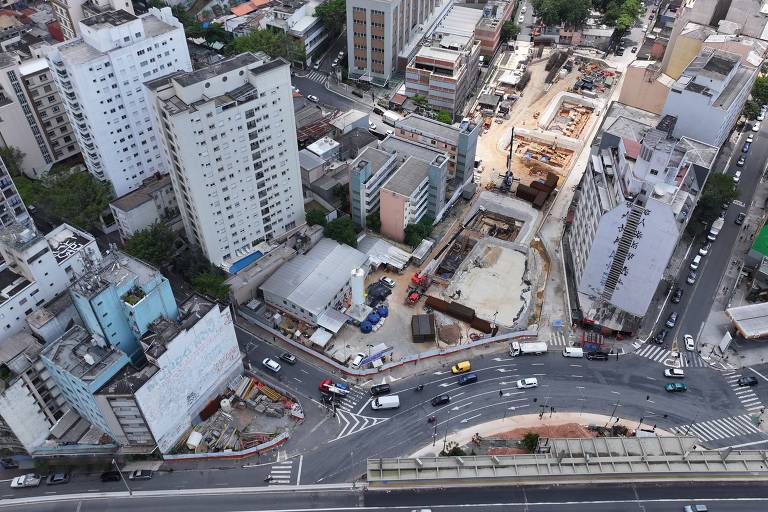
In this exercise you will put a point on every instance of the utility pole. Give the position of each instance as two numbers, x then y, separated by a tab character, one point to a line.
130	492
615	406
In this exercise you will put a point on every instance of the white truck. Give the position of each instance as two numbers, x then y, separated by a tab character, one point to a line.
715	229
390	117
529	348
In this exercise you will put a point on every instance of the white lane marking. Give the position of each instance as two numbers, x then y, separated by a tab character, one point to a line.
760	374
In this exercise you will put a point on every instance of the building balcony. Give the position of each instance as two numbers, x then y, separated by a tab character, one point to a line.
133	296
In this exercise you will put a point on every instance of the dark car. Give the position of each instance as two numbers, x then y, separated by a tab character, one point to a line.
661	336
467	378
381	389
288	357
441	400
9	463
634	49
677	296
740	162
672	320
141	474
740	218
597	356
747	381
745	147
57	479
110	476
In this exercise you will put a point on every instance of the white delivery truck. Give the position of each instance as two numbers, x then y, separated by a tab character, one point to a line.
385	402
715	229
390	117
529	348
573	352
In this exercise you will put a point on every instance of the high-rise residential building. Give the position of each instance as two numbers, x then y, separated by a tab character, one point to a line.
233	154
12	209
70	13
634	202
101	74
710	94
35	267
383	35
32	115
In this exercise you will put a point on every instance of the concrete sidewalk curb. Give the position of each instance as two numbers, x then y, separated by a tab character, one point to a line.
182	492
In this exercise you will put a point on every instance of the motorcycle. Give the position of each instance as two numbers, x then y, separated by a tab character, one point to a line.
420	387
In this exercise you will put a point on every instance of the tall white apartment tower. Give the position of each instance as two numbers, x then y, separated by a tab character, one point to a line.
69	13
230	139
100	75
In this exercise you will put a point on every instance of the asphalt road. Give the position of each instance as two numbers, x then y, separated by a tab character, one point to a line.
729	497
697	298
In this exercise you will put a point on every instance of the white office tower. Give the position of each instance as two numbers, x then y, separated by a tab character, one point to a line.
230	139
100	75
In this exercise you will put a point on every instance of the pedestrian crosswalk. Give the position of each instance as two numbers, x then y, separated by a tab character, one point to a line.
281	473
317	76
660	355
557	339
721	428
351	403
745	394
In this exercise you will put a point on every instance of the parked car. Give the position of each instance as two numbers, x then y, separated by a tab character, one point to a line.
751	137
677	296
740	218
756	127
335	63
676	387
745	147
521	19
696	262
661	336
597	356
371	125
28	480
674	373
8	463
57	479
288	357
736	176
271	364
690	344
747	381
634	49
357	360
761	115
388	281
313	98
672	320
704	250
441	400
530	382
140	474
316	66
111	476
741	161
695	508
341	55
692	276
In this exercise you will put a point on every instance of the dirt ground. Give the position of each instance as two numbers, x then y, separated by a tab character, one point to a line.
534	99
569	430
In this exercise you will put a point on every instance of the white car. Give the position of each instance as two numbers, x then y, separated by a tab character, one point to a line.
313	99
705	248
28	480
316	66
335	63
341	55
390	132
523	8
388	281
751	138
761	116
357	360
756	127
271	364
689	343
674	373
521	19
530	382
371	125
736	176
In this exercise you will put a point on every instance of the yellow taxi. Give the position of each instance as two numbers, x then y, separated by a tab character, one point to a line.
461	367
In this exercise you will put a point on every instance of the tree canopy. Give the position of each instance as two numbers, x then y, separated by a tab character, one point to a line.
155	244
621	14
333	14
415	233
760	90
342	230
212	33
211	282
751	110
554	12
719	189
272	42
373	221
13	158
444	117
509	30
315	217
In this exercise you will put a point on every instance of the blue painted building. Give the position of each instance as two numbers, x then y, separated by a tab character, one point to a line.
120	299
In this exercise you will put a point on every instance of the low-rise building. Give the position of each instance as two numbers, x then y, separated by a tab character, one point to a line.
154	201
489	29
316	285
70	13
297	19
634	202
415	191
368	173
12	208
35	268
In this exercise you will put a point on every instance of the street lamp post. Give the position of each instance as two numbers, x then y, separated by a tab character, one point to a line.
130	492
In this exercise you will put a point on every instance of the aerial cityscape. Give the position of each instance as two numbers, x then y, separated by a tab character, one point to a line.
390	255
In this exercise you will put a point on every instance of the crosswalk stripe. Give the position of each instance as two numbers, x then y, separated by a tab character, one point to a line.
748	400
711	433
749	425
755	407
726	426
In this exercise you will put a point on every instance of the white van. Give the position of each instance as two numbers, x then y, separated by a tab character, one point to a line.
696	262
386	402
573	352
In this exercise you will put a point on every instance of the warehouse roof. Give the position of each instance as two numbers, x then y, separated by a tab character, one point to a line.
312	280
751	320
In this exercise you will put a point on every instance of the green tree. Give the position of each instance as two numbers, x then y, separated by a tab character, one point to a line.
190	262
373	221
315	217
444	117
760	90
213	33
333	14
509	31
341	193
554	12
531	441
419	100
342	230
211	283
415	233
719	189
452	449
751	110
155	244
75	197
13	158
274	43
